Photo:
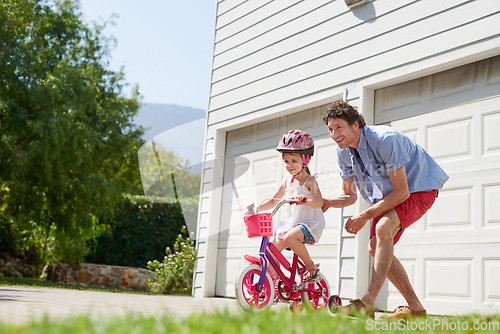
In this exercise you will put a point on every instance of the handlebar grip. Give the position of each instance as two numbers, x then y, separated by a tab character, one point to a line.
296	201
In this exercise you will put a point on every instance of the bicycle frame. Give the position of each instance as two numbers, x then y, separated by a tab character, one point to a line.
266	252
255	288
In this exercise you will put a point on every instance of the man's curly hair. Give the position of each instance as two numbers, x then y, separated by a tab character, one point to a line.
343	110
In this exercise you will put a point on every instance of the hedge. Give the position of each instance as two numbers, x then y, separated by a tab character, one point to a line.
141	230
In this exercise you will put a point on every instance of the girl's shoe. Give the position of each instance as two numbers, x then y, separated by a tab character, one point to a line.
311	276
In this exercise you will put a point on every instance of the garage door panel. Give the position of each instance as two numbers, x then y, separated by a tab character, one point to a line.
230	230
493	71
252	245
225	277
451	209
346	286
330	233
492	206
328	266
267	131
452	139
448	278
241	177
454	81
413	135
491	124
301	120
237	139
265	171
438	91
329	185
326	154
446	236
491	268
414	227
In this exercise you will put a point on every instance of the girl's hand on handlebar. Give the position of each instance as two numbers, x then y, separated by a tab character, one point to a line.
301	199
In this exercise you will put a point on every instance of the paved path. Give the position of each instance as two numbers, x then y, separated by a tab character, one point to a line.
22	304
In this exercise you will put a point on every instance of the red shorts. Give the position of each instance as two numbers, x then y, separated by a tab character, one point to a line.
410	211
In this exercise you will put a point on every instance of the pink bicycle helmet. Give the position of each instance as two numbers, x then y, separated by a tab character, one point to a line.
296	141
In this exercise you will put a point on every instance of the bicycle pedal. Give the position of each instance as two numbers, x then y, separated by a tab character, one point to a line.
313	280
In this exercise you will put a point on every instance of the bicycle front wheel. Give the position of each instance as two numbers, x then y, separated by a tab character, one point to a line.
246	288
315	294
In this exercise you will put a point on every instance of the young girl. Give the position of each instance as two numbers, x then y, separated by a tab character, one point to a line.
302	222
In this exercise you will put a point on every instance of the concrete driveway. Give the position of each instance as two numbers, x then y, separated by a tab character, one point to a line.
22	304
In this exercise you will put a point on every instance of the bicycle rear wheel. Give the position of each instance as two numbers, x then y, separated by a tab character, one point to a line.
246	288
315	294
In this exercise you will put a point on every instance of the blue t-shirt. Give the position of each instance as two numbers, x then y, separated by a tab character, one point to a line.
383	150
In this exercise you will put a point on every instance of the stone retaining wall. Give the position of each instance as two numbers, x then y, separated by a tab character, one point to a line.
14	267
89	274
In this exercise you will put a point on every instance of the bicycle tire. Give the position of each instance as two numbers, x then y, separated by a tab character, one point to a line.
245	287
317	299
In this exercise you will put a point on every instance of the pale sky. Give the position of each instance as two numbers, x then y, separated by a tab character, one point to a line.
165	45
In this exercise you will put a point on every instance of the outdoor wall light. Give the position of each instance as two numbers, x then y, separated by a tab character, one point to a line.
355	3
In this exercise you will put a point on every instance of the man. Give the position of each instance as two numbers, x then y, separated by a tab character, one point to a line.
399	179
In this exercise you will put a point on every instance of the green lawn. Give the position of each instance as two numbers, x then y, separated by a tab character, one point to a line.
276	320
273	321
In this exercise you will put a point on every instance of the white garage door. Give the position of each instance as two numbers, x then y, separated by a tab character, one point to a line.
257	169
452	254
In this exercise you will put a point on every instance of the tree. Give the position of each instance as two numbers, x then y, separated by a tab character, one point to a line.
166	178
163	170
68	148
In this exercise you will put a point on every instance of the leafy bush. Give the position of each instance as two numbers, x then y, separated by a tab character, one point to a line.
139	232
175	274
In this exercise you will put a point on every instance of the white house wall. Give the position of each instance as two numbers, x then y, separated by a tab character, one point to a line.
284	50
274	58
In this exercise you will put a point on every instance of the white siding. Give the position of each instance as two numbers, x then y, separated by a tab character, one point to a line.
284	50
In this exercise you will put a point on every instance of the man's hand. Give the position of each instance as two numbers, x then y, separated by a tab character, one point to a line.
326	205
355	224
347	197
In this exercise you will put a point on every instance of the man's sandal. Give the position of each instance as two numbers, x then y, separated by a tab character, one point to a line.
404	312
355	308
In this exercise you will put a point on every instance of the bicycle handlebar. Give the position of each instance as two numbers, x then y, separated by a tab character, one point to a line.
252	209
284	201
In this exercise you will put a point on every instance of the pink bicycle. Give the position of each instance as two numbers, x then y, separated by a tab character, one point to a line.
254	285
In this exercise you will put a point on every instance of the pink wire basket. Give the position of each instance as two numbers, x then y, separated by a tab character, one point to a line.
259	225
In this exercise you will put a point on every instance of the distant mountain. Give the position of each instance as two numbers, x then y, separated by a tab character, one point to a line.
179	129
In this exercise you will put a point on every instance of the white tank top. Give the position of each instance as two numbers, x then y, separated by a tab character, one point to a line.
292	214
